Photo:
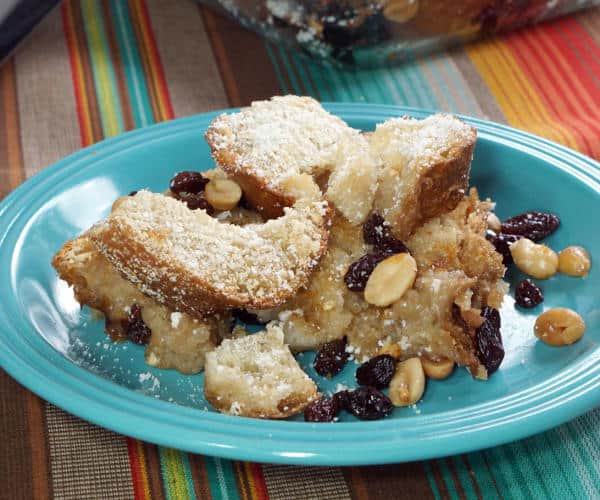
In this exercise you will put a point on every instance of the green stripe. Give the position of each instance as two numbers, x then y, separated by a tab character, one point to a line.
174	475
277	69
290	72
464	476
431	480
304	76
448	479
504	474
222	479
579	455
482	475
106	90
188	475
137	88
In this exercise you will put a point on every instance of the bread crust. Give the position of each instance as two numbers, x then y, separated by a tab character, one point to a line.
142	255
415	189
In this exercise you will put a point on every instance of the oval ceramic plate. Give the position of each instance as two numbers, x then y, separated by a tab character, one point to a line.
59	352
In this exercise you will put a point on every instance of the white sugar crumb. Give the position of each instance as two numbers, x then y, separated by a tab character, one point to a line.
284	137
256	262
235	408
148	377
175	319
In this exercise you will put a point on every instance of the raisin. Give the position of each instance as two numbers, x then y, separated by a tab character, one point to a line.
488	340
528	294
359	271
197	201
188	182
322	410
133	193
390	246
502	243
247	317
137	331
367	403
533	225
341	398
331	358
375	229
377	372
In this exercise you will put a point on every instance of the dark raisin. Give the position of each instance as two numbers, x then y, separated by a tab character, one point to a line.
375	229
342	398
133	193
322	410
488	340
528	294
367	403
134	325
188	182
331	358
359	271
488	18
390	246
502	243
247	317
377	372
533	225
197	201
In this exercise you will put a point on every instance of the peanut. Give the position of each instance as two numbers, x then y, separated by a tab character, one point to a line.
559	326
390	279
574	261
223	194
494	223
408	384
537	261
437	369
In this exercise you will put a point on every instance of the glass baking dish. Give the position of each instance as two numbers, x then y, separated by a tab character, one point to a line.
360	33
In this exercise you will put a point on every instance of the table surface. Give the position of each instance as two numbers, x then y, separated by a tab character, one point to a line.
94	69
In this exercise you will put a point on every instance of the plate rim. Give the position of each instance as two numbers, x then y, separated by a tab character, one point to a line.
227	436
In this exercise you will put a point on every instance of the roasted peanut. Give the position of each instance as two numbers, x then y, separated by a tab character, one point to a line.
408	384
536	260
401	11
223	194
390	279
559	326
391	350
574	261
494	223
437	369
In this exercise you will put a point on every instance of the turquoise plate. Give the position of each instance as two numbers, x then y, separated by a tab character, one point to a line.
55	349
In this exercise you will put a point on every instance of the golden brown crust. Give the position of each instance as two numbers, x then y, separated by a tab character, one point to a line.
143	254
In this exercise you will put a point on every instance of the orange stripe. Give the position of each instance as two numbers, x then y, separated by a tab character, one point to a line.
85	125
156	70
514	93
256	481
561	101
139	474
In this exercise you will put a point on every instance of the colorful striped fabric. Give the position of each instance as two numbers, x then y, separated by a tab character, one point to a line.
95	69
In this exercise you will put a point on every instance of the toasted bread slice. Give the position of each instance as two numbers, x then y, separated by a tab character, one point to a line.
459	273
425	171
263	145
177	340
257	376
195	264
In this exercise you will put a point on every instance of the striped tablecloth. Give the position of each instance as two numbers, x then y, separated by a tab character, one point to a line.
95	69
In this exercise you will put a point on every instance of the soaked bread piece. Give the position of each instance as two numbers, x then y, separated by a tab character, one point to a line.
177	340
257	376
425	170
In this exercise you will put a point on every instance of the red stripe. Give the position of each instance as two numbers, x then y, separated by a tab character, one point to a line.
134	464
260	485
159	70
564	106
75	76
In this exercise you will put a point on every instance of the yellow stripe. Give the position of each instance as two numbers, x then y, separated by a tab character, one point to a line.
101	63
143	469
514	94
175	473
